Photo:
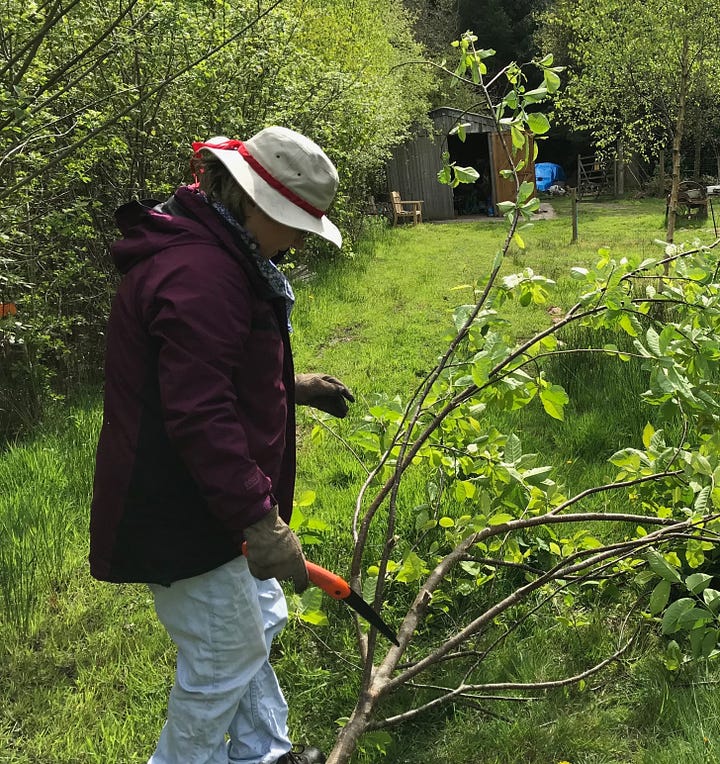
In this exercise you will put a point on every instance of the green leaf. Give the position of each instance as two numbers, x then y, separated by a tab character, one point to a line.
314	617
630	324
513	449
711	597
653	341
298	519
538	123
500	518
552	81
466	174
554	399
671	619
535	96
673	656
537	475
709	643
445	175
647	434
377	740
518	138
525	191
697	637
662	568
310	607
701	501
694	617
533	205
659	597
460	130
464	489
698	582
413	569
627	458
305	499
369	586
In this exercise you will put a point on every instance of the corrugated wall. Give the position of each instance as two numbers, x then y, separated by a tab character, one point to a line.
413	172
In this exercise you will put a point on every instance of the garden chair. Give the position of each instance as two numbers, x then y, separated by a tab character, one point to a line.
404	209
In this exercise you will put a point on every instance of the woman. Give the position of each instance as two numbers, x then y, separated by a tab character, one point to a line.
197	449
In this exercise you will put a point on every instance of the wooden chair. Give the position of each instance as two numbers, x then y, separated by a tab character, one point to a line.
403	209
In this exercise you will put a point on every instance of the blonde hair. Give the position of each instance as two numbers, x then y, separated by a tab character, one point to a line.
219	185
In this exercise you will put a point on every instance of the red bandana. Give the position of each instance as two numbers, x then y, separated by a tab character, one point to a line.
239	146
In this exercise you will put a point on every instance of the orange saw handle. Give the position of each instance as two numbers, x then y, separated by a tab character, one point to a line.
329	582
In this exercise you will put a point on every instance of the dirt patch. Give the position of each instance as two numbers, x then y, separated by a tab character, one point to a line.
344	334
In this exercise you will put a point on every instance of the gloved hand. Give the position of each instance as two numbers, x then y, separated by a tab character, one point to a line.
322	392
274	551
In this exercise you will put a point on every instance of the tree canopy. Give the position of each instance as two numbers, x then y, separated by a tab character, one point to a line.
630	62
100	103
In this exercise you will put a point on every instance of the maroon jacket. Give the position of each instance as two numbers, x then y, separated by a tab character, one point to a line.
198	434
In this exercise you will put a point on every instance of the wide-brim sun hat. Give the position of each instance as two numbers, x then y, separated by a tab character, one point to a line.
287	175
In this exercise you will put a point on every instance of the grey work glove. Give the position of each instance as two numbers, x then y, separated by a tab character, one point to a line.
274	551
322	392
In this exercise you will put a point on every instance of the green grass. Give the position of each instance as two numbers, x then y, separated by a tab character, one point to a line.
86	669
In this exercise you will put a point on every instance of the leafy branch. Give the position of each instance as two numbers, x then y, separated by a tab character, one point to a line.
496	496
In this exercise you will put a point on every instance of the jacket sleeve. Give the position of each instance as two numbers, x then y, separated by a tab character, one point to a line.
198	307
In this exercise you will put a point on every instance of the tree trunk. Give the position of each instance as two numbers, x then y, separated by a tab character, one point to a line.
677	138
351	733
661	172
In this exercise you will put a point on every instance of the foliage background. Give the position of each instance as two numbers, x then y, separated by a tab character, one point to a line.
99	104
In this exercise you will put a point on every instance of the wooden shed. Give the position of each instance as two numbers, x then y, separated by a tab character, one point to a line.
414	166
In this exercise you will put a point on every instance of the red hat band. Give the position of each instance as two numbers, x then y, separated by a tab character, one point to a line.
270	179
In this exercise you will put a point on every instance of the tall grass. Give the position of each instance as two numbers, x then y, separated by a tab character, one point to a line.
85	668
43	510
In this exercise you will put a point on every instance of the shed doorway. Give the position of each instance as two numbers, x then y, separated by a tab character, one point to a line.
472	198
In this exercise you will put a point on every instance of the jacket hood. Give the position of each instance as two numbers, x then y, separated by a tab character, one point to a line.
149	226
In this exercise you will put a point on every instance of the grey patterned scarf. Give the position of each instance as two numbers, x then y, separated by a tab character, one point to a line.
276	279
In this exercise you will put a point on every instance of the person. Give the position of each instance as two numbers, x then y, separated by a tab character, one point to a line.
196	454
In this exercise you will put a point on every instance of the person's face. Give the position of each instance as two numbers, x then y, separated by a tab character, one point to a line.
271	236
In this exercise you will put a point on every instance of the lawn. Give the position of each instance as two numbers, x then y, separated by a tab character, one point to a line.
85	668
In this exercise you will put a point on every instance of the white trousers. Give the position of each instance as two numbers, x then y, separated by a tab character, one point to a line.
223	623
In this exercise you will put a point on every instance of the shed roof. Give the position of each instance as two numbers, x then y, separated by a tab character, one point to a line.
446	117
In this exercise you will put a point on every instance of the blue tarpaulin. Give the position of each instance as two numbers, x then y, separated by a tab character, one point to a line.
547	174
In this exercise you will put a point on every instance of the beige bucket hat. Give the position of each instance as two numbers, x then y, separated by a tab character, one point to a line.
286	174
